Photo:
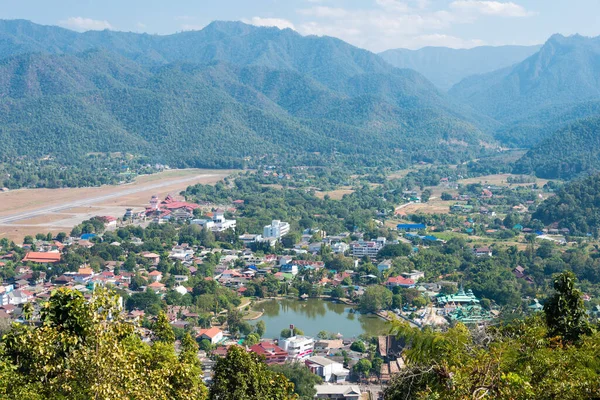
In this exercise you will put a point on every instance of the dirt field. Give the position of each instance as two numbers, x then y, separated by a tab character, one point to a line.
432	207
334	194
499	180
29	211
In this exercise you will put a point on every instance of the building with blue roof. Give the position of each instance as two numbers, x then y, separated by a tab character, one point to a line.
411	227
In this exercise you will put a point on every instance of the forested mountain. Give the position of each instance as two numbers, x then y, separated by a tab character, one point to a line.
557	85
446	67
212	97
576	206
572	151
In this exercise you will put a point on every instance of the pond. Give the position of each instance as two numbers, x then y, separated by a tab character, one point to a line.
315	315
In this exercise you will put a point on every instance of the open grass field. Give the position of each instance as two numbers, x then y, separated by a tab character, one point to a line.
499	180
29	211
335	194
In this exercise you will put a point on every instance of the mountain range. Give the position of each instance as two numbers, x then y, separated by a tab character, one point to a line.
555	86
233	92
212	97
445	67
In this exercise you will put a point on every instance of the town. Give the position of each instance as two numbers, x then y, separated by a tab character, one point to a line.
204	262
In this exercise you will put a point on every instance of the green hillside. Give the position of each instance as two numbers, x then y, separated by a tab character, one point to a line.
214	97
572	151
532	99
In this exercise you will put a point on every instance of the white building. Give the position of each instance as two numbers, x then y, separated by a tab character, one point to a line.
339	392
414	275
329	370
339	247
218	223
369	249
298	347
276	230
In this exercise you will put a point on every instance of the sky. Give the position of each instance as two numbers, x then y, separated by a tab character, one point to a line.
375	25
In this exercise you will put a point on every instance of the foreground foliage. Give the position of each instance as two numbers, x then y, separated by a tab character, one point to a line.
83	350
528	359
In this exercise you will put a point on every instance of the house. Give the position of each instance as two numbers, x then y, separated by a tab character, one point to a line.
214	335
49	257
384	266
338	392
179	279
19	296
327	345
156	286
155	276
339	247
329	370
483	252
152	257
109	222
273	354
414	275
401	281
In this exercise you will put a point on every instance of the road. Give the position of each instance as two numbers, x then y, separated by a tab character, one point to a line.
94	200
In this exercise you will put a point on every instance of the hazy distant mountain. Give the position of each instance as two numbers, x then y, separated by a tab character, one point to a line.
446	67
212	97
557	85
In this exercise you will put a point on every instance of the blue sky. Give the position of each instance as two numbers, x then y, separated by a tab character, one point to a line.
372	24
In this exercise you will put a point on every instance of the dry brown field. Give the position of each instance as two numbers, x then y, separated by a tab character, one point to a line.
56	210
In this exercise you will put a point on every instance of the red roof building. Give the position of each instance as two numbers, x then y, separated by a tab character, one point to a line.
42	258
399	281
273	353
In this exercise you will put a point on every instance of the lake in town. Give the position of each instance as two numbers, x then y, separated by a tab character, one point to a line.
315	315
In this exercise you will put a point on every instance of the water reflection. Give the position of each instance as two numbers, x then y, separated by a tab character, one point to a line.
315	315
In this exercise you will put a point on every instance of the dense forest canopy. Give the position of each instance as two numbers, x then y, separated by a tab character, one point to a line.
576	207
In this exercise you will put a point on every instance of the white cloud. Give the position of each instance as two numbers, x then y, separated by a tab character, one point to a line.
276	22
85	24
496	8
383	24
393	5
324	12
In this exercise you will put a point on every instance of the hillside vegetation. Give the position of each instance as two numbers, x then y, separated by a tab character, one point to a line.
215	97
570	152
534	98
575	207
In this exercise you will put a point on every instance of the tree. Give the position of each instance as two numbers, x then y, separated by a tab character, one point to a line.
565	312
396	301
260	328
363	367
337	292
252	339
163	331
287	333
425	195
447	196
375	298
244	376
394	250
358	346
85	350
303	379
